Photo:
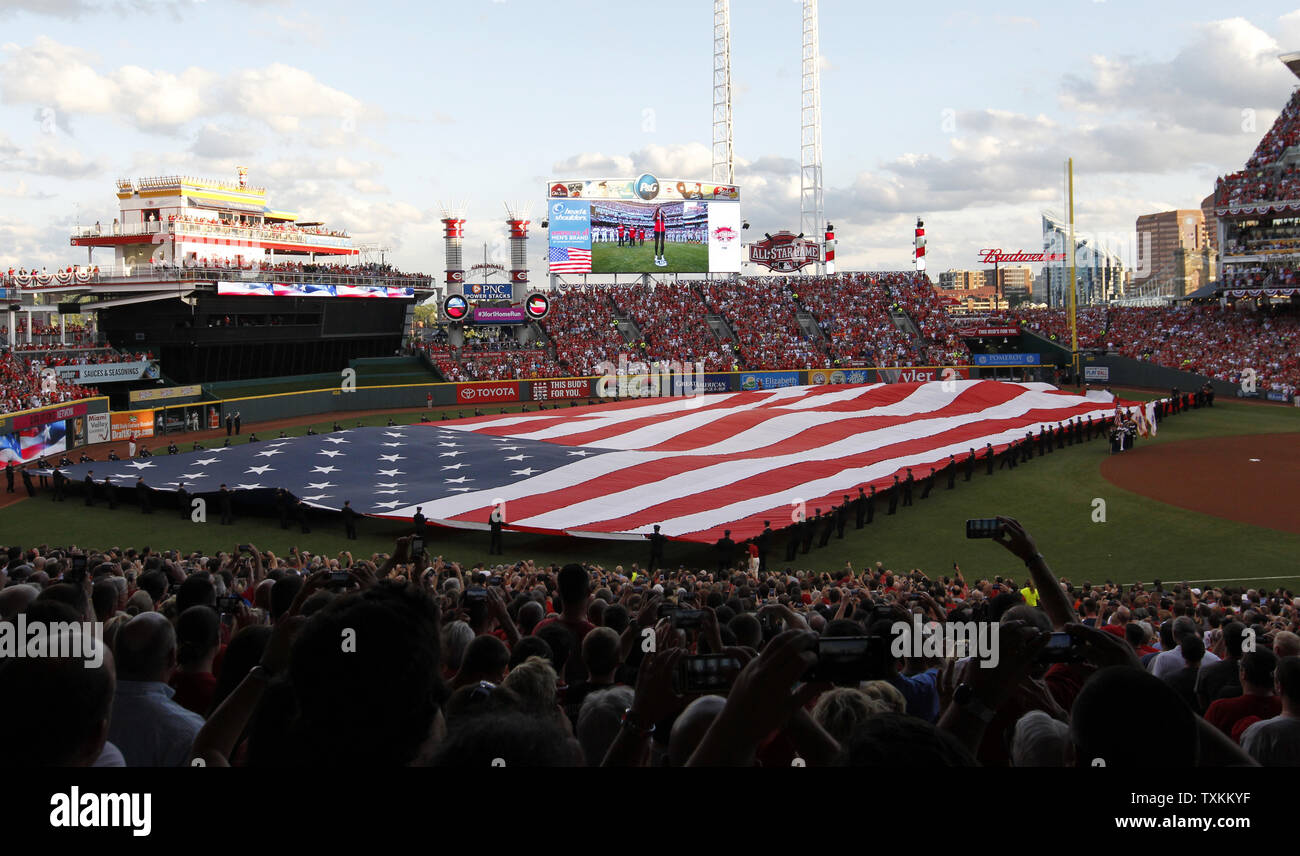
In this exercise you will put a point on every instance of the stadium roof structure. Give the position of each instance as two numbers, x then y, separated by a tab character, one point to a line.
1210	289
1291	61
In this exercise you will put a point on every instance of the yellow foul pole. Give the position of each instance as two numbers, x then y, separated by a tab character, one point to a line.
1074	321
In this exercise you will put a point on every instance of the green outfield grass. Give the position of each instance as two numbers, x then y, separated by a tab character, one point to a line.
609	257
1142	539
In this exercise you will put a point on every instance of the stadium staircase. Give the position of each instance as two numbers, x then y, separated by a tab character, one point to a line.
539	336
905	323
718	324
627	328
811	329
721	329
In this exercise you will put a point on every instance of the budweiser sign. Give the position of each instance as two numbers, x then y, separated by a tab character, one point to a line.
997	257
785	252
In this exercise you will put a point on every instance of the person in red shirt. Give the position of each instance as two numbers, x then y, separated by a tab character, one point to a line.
197	640
620	234
1256	699
661	233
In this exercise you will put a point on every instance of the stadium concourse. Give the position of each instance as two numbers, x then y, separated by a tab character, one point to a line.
234	658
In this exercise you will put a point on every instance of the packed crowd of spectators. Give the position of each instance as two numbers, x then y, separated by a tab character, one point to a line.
1264	179
21	276
49	357
47	335
1255	275
852	311
1218	342
215	220
235	658
306	269
583	328
492	359
1212	341
941	343
762	314
1278	237
22	387
1055	323
671	320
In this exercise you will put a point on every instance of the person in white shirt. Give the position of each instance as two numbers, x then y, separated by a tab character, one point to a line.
1276	742
1167	663
148	727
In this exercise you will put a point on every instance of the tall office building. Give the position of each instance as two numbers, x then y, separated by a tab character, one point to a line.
1165	241
1211	222
1099	272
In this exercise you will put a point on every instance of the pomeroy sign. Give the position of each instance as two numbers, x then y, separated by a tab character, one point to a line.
785	252
477	393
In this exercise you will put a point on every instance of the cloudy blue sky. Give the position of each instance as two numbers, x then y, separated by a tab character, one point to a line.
369	115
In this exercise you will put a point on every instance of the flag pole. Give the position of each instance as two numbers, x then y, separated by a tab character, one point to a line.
1074	321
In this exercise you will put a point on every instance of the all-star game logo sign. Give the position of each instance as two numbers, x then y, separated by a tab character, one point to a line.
455	307
537	306
785	252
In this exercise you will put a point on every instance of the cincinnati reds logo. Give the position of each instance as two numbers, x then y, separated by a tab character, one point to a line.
724	235
455	276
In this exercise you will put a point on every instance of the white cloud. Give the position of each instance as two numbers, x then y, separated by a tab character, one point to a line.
53	8
283	97
46	159
289	100
214	141
62	78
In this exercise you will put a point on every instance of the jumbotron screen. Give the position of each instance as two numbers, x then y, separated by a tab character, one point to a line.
643	225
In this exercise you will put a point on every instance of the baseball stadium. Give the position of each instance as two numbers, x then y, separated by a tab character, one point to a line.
667	502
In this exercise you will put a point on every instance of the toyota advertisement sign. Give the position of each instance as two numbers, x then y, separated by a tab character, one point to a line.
490	392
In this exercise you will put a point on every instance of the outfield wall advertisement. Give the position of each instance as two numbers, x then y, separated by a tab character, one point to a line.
89	373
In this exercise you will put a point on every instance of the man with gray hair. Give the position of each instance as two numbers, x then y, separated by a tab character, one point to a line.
1167	663
1286	644
149	727
1039	741
16	599
690	726
599	721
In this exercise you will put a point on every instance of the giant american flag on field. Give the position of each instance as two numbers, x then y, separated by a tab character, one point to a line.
694	465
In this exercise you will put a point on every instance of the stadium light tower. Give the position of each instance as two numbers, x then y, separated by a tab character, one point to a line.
453	233
517	214
724	170
812	203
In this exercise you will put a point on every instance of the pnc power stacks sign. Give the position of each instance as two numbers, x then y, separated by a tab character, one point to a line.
785	252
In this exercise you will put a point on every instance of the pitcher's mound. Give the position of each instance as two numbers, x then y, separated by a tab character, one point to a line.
1251	478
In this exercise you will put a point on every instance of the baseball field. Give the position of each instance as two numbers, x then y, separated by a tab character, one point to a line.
1214	497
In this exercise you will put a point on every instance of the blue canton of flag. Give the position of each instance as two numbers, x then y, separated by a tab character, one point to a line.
382	471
